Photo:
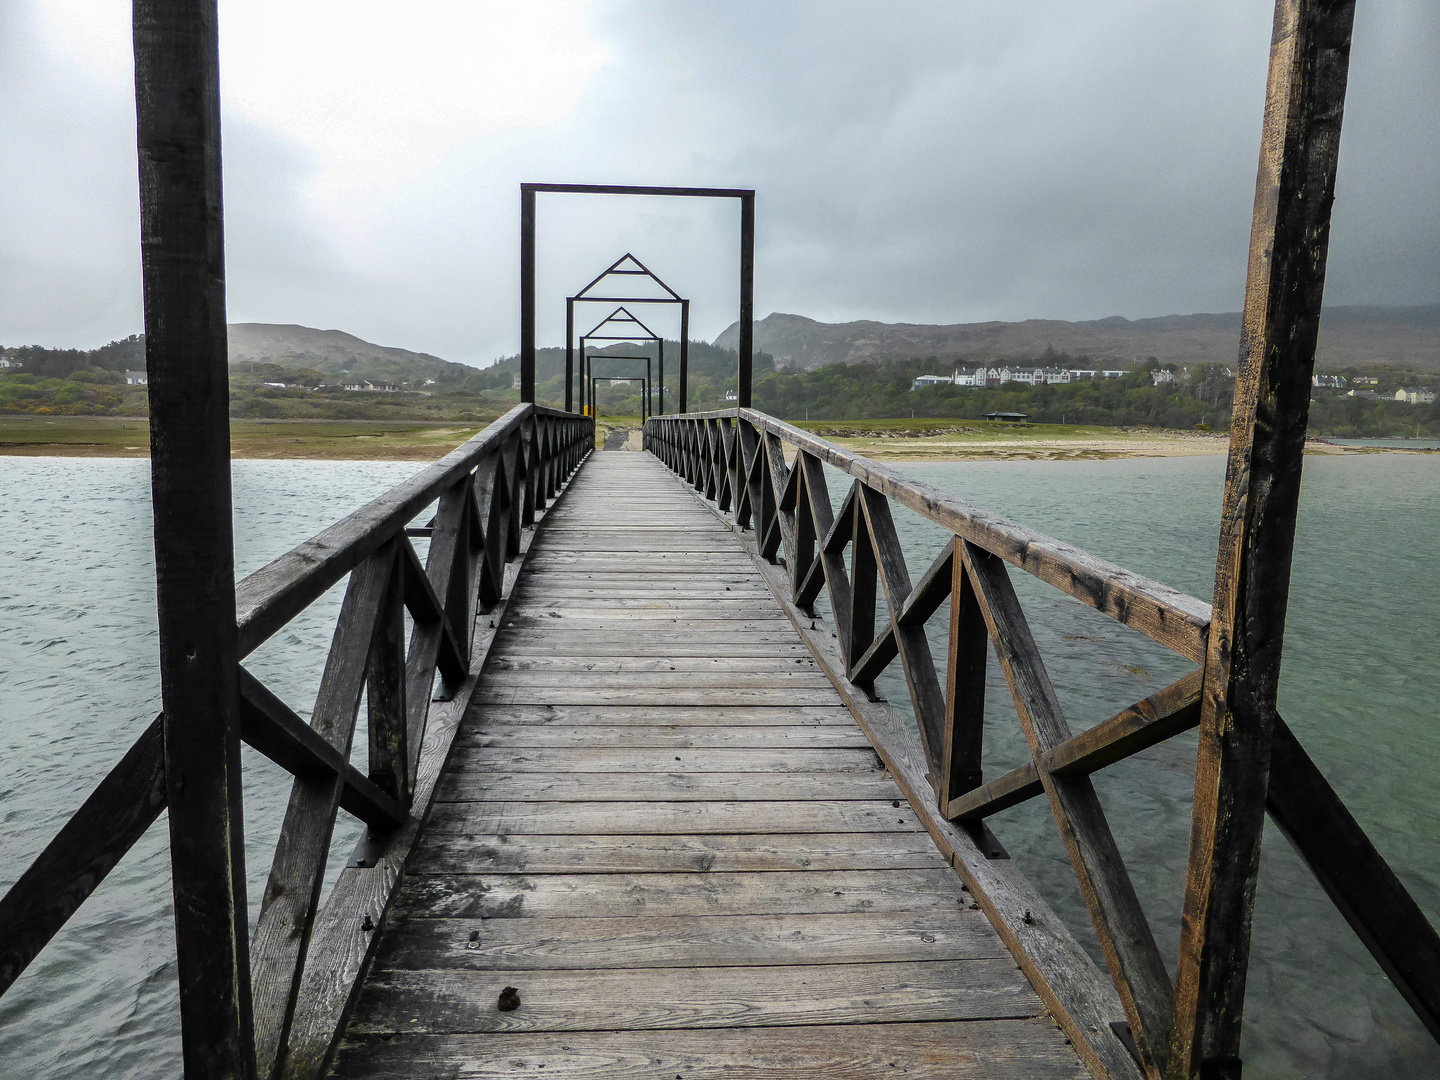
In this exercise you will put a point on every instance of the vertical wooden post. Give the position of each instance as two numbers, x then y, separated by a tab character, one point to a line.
747	300
1309	60
527	293
569	351
960	768
177	101
684	351
660	392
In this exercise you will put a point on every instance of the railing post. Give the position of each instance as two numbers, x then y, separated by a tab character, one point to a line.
745	362
177	100
1309	61
527	293
569	352
960	768
684	352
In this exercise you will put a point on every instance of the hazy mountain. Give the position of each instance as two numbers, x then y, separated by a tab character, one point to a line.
334	352
1348	335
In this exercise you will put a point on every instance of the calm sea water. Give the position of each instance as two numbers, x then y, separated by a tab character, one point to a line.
78	683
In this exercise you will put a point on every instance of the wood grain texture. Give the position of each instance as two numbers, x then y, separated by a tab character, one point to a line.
647	716
345	928
534	943
1167	615
1289	240
182	256
649	853
568	896
993	1050
963	734
292	891
669	735
461	1002
1080	998
1125	937
696	843
472	781
629	818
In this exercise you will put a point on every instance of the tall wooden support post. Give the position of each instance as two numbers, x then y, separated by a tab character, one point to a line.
684	351
569	352
177	99
1309	60
527	293
660	404
747	299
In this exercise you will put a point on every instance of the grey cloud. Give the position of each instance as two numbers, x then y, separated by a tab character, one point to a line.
914	161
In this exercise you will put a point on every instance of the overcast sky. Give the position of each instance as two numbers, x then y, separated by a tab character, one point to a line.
922	161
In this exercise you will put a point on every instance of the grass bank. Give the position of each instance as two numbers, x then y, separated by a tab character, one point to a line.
341	440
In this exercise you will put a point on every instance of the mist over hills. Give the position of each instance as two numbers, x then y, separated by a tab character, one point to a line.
1406	336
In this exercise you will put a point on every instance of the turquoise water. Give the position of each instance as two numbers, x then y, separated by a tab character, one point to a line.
1391	444
77	684
1358	686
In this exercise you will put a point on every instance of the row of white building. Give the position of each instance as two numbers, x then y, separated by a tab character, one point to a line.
1029	376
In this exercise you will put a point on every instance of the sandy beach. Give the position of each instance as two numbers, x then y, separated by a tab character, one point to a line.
361	440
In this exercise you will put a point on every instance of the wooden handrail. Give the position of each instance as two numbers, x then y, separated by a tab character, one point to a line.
273	595
736	460
1169	616
491	490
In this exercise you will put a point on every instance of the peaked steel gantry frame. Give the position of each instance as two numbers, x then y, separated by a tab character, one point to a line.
618	316
644	379
584	297
745	359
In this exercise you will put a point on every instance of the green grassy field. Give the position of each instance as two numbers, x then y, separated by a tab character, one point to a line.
114	436
950	429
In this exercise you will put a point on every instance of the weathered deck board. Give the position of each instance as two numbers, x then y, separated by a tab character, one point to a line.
662	827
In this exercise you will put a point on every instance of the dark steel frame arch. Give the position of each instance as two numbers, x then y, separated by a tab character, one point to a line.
595	335
646	411
746	350
583	297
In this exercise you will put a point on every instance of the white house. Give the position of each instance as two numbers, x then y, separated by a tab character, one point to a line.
136	378
922	381
1415	395
4	363
1052	376
1334	382
1158	377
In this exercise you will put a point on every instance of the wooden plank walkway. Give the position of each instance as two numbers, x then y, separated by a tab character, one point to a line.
661	826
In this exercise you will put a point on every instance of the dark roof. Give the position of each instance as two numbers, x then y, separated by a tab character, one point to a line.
1007	416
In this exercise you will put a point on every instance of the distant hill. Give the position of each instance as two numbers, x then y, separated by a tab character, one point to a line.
1408	336
333	352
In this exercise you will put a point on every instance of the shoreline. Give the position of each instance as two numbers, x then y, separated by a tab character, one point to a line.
421	441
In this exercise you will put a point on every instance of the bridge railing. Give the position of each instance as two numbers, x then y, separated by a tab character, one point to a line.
306	959
780	505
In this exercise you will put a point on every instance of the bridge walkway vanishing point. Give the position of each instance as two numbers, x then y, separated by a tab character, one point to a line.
662	827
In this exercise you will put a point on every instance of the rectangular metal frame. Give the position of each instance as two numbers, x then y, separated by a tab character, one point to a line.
745	360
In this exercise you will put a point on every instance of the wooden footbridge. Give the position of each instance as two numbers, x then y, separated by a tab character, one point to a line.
632	806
